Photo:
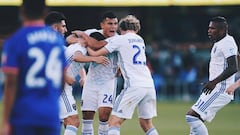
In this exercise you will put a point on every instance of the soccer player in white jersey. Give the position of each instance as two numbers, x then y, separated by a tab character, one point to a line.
75	54
138	89
99	89
222	69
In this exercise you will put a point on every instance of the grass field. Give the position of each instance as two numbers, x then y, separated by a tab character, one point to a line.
171	121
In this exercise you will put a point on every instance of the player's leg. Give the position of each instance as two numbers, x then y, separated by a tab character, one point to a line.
122	108
87	122
106	97
147	110
89	105
114	125
104	114
71	124
68	112
148	127
205	109
196	123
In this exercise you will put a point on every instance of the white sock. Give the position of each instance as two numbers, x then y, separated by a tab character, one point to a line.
70	130
114	131
103	128
152	131
197	127
87	127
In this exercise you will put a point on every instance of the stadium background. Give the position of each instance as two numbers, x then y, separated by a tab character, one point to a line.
175	33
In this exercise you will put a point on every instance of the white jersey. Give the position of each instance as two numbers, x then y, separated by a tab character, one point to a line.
99	73
132	59
221	50
74	67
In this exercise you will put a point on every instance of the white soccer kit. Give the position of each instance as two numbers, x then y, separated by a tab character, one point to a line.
99	89
207	105
67	102
138	83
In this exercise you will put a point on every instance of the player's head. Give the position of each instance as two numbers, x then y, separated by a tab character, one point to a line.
109	24
217	28
97	35
57	20
130	22
33	10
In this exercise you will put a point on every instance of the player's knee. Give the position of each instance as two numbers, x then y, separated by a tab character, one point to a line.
88	115
104	113
103	118
146	124
72	120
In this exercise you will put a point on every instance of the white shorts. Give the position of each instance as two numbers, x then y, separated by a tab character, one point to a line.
208	105
95	96
67	103
144	98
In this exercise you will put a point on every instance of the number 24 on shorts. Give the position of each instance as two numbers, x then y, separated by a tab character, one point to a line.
107	98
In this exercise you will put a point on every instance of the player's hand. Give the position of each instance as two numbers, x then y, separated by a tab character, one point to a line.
79	33
82	81
208	87
6	129
71	39
230	90
102	60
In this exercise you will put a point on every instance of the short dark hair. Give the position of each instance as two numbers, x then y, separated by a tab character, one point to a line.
33	10
97	35
108	14
54	17
222	21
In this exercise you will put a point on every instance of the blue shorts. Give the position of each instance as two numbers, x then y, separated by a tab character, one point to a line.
35	130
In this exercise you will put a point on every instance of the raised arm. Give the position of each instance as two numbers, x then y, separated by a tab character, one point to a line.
91	42
102	51
79	57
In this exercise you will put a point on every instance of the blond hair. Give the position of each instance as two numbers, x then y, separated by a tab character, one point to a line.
130	22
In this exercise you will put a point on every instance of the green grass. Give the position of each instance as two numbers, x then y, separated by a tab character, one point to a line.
171	120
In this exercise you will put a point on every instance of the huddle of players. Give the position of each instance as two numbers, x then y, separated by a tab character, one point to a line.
99	84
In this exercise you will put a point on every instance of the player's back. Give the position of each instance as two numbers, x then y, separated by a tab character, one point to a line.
132	57
37	54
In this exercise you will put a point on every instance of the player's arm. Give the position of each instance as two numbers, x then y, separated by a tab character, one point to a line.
230	90
72	38
68	79
229	71
91	42
79	57
10	90
100	52
82	74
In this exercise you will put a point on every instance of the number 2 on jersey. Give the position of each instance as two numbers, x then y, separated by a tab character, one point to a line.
136	57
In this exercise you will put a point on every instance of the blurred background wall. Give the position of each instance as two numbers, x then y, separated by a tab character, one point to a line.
178	48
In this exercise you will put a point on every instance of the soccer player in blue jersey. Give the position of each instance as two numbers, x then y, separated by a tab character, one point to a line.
33	62
222	69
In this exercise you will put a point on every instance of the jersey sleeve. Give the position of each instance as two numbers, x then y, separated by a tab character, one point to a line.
113	44
229	48
10	57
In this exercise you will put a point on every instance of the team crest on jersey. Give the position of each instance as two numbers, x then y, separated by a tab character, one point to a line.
74	106
81	102
214	49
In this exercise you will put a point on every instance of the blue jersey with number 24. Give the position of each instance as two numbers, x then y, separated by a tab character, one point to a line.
36	54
